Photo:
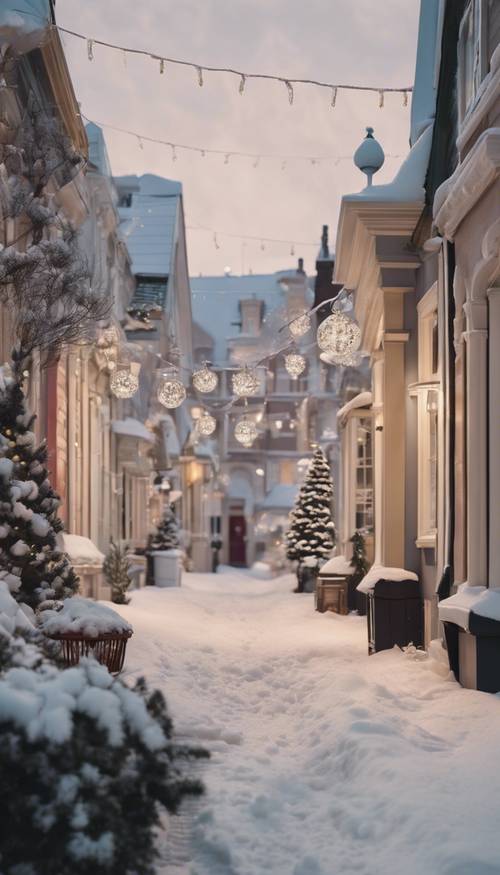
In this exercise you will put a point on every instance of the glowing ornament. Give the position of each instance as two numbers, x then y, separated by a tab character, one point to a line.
295	364
123	383
171	392
205	380
206	424
245	431
245	382
300	325
339	334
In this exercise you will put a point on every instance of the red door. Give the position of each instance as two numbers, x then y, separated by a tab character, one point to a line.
237	541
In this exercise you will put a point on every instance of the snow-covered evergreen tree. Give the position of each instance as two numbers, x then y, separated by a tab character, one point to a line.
166	536
88	764
116	571
31	563
311	536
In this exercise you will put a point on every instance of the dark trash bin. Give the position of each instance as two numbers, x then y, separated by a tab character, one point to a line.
474	653
395	615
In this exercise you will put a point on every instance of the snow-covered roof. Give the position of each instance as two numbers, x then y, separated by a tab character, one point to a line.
282	497
380	572
216	302
470	600
98	154
130	427
149	224
364	399
81	550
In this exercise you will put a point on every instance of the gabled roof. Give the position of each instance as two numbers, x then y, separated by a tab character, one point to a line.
150	221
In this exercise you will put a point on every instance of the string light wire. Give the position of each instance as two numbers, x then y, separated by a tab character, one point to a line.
243	77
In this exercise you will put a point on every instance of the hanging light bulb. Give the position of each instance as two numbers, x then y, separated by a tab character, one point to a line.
300	325
245	431
339	334
123	383
171	392
245	382
206	424
205	380
295	364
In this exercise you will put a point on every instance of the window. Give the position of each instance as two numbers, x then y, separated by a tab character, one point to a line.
472	54
428	392
364	475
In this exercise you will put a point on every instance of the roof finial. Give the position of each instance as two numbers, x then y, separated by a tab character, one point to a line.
369	156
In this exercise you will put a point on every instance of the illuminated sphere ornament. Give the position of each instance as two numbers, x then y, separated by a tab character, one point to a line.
171	392
295	364
245	382
206	424
300	325
123	383
205	380
245	431
339	334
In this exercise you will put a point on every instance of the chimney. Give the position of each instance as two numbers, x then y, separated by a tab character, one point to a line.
323	286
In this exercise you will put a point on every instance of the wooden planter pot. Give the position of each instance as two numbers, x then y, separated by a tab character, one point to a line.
108	648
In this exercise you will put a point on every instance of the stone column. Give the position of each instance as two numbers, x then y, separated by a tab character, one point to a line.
476	339
494	433
393	498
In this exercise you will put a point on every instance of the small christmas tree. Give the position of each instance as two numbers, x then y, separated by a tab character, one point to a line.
116	571
166	536
360	567
35	569
311	536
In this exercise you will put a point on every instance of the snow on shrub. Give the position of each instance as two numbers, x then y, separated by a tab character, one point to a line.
87	764
82	616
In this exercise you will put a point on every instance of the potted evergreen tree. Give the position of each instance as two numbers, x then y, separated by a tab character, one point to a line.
359	564
311	536
116	571
164	547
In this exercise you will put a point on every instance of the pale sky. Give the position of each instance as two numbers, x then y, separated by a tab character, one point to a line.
354	41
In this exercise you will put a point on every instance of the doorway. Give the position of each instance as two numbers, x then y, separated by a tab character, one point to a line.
237	539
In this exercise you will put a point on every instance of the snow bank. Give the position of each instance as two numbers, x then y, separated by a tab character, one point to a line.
337	565
262	570
324	760
12	615
81	551
470	599
85	616
380	572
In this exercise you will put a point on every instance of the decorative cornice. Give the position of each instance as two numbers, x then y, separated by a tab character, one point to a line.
456	197
488	94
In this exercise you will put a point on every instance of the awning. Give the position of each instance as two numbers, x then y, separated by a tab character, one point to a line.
364	399
132	428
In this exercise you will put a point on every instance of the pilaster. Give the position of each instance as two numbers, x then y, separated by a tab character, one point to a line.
494	431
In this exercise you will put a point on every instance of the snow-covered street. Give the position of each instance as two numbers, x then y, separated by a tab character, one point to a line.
324	761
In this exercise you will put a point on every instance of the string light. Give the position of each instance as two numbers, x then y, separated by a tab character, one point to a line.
90	49
300	325
245	431
162	66
334	97
288	81
205	380
338	334
245	382
123	383
206	424
242	83
171	392
295	364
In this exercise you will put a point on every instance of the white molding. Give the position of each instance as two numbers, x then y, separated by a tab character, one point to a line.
487	95
456	197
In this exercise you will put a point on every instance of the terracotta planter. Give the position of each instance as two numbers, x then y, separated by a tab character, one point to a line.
108	648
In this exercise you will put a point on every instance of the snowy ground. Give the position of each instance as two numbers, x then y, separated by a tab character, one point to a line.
324	761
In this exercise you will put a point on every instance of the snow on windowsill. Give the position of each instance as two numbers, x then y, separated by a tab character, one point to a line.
364	399
380	572
83	616
130	427
477	600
